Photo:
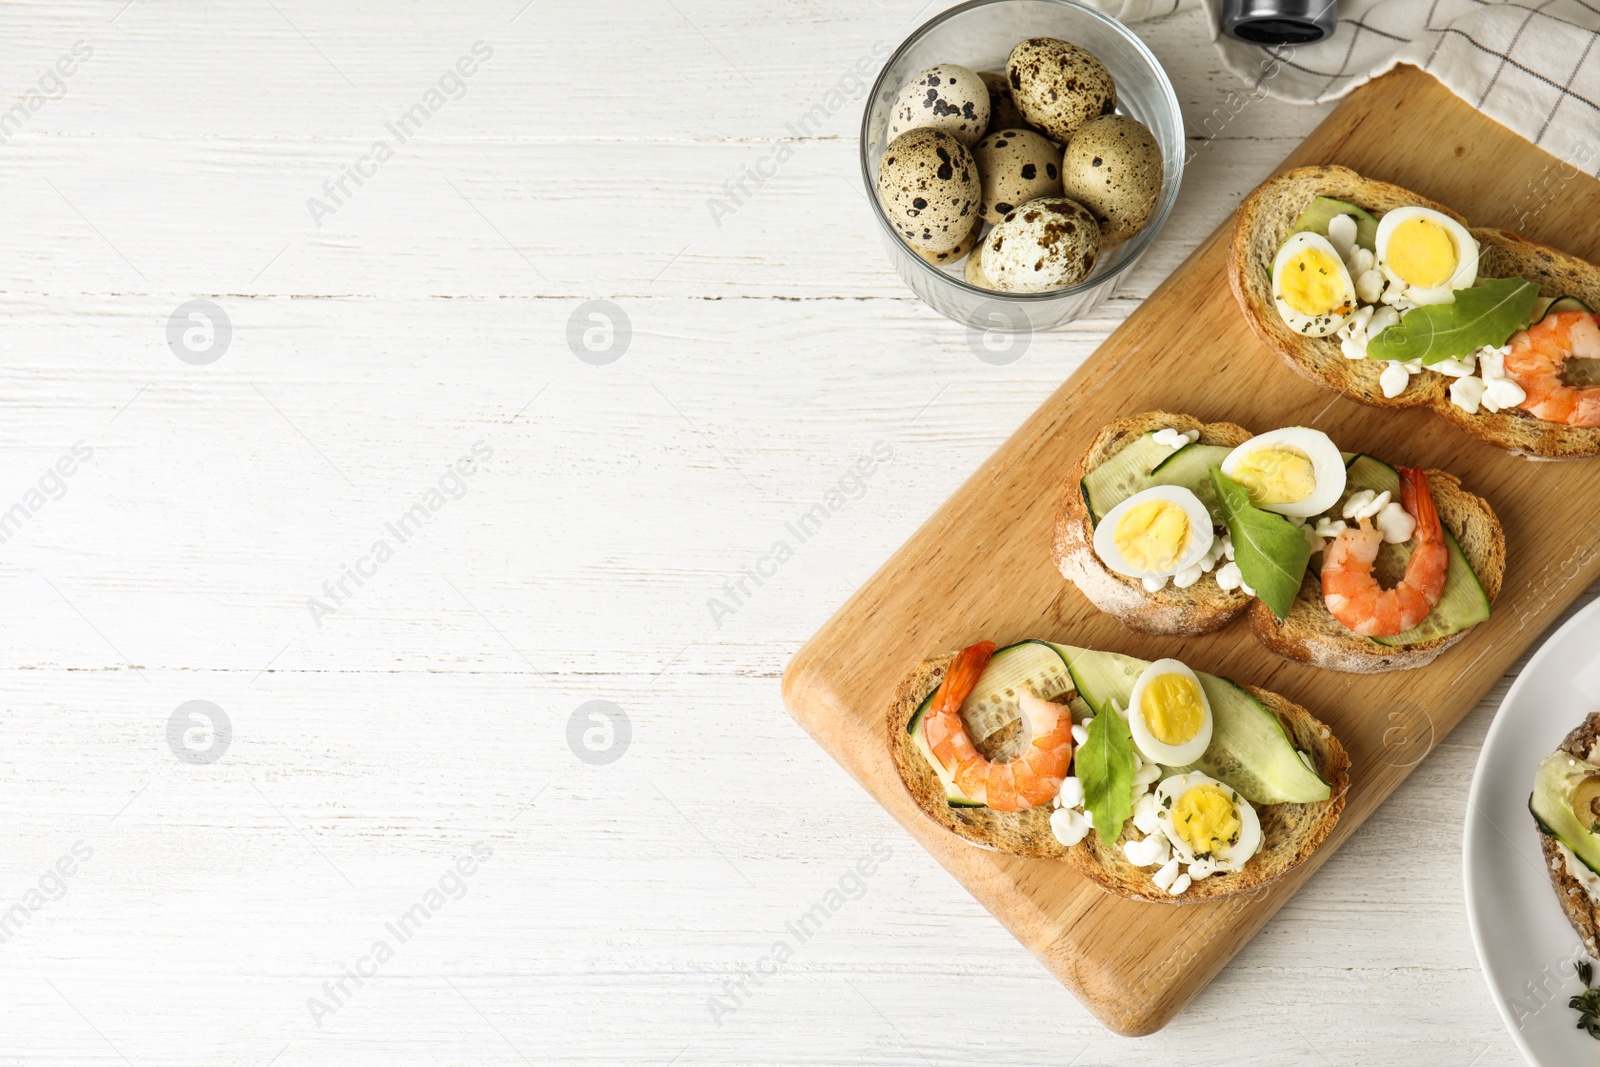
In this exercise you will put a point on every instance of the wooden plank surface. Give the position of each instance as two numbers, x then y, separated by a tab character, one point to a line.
980	566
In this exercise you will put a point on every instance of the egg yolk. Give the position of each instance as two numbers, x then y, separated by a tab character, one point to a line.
1276	475
1153	535
1206	819
1312	283
1172	708
1421	253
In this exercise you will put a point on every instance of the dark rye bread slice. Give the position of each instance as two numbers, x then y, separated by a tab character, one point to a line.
1290	832
1199	609
1261	226
1582	910
1310	633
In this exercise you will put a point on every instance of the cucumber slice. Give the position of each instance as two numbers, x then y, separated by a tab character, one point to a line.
993	703
1123	474
1324	209
1249	748
1462	604
1551	805
952	792
1144	463
1546	305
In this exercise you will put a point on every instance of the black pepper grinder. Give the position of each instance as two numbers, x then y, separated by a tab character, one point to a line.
1279	22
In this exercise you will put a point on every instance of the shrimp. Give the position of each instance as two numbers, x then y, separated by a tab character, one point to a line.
1539	355
1354	596
1028	780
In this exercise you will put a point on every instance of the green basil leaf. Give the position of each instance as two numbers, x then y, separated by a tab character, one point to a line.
1487	313
1105	765
1271	551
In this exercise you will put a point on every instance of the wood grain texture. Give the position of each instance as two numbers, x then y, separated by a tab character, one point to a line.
979	568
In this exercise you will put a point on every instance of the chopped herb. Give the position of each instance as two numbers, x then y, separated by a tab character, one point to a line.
1587	1003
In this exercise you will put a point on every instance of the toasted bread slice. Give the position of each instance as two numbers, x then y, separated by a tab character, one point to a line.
1290	832
1199	609
1582	910
1264	221
1310	634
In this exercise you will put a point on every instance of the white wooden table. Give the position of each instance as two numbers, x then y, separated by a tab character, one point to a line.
419	318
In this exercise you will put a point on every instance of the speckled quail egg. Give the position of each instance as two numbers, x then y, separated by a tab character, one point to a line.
1058	86
1003	113
1046	244
944	97
929	188
1014	167
974	268
1112	166
953	255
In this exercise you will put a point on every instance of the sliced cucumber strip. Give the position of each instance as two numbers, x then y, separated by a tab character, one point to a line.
1123	474
1144	463
1551	805
952	792
1191	468
1547	305
1249	748
1324	209
993	704
1463	602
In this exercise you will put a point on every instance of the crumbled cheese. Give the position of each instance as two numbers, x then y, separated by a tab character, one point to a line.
1179	885
1456	368
1364	504
1369	286
1188	576
1360	261
1080	732
1342	235
1394	379
1154	585
1202	869
1069	825
1467	393
1144	814
1148	852
1228	576
1328	526
1147	775
1173	438
1070	794
1396	523
1166	875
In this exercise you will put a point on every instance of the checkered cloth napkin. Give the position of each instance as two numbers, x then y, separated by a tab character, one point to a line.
1531	65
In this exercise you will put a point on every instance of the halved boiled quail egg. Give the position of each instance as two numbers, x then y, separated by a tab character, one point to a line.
1294	471
1207	819
1427	253
1311	285
1155	533
1169	715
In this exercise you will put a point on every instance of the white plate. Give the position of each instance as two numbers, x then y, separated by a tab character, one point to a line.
1524	942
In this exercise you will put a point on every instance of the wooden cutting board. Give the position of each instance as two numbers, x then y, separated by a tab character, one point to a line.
980	567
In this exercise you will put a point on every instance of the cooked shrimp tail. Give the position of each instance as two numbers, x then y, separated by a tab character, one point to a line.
1538	363
1025	781
1353	594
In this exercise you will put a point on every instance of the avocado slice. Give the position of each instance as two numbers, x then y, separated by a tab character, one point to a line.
1558	778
